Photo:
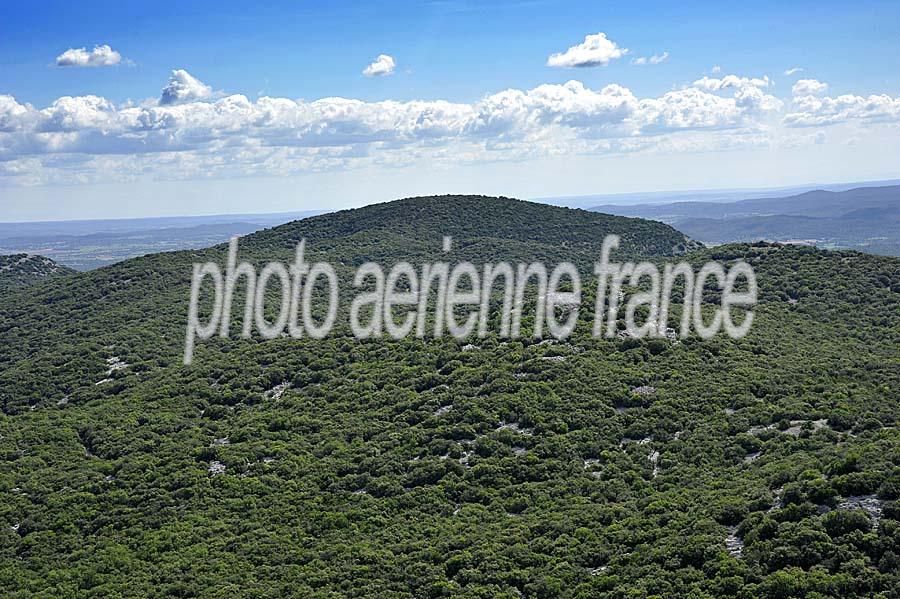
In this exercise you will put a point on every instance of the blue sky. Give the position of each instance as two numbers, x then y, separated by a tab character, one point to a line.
457	52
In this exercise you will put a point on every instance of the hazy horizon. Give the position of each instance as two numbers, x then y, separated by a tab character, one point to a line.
584	201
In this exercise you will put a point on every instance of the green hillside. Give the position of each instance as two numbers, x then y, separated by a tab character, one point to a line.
760	467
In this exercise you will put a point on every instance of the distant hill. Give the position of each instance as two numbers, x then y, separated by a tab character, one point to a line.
866	218
702	195
23	270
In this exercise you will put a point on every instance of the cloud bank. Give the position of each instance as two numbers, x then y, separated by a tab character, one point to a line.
191	132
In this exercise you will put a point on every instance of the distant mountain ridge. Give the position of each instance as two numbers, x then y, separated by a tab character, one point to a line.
726	195
866	218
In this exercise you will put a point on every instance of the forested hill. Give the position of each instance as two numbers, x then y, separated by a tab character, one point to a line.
415	227
23	270
147	297
762	467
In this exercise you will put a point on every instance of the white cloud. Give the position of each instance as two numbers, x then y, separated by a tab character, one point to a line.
655	59
809	87
595	50
383	65
100	56
716	70
793	71
730	81
814	111
12	114
183	87
77	114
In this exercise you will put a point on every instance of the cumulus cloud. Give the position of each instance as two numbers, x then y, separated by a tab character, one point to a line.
77	114
809	87
814	111
793	71
713	84
13	114
100	56
596	50
655	59
383	65
716	70
811	109
183	87
748	94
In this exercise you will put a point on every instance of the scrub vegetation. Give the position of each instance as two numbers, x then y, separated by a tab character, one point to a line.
489	467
